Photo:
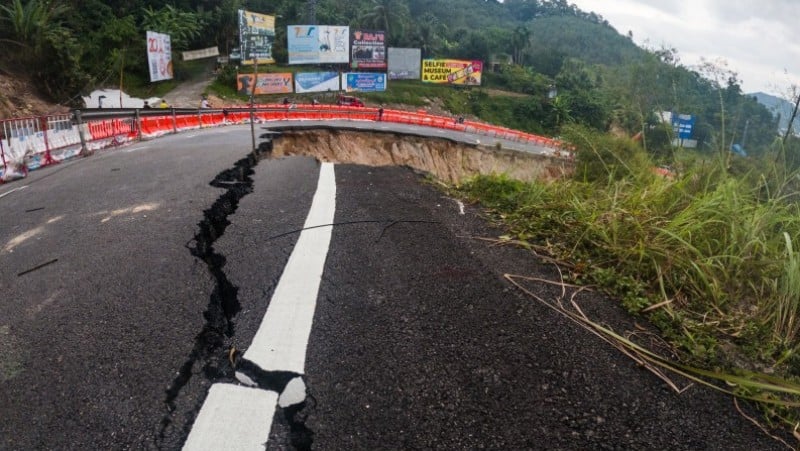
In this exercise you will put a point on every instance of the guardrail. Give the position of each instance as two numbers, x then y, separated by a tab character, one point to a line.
33	142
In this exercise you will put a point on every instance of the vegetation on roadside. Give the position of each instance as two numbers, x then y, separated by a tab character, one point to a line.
710	256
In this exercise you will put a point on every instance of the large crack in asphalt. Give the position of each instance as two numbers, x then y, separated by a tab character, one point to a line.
217	333
223	304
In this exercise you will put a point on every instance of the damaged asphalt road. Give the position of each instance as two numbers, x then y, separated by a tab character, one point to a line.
135	280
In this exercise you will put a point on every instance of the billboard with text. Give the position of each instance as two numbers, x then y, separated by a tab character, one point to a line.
266	84
318	44
256	36
159	56
368	50
454	72
363	82
316	82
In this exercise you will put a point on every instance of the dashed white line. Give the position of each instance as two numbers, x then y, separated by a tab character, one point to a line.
233	418
134	149
13	190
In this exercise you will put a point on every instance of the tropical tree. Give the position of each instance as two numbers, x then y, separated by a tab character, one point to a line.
182	26
226	19
428	35
29	26
520	40
391	16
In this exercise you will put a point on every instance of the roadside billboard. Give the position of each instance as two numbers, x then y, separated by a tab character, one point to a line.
454	72
266	84
256	35
368	49
404	63
159	56
318	44
316	82
683	125
208	52
363	82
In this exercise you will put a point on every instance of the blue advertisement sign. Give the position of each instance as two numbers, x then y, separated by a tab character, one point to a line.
303	44
363	82
683	125
316	82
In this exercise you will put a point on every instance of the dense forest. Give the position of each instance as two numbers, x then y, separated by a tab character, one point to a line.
603	80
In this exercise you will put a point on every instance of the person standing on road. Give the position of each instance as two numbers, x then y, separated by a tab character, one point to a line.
204	103
163	104
146	105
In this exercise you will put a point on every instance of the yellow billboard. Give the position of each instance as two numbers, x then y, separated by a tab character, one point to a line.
454	72
256	36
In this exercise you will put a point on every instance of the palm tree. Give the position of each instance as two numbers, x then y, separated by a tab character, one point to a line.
390	16
520	41
428	34
29	25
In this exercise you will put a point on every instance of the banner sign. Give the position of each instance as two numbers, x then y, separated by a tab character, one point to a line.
683	125
454	72
316	82
256	35
368	49
159	56
404	63
318	44
363	82
200	54
267	83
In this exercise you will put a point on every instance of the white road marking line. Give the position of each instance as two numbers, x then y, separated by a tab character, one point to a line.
13	190
460	206
281	340
239	418
233	418
134	149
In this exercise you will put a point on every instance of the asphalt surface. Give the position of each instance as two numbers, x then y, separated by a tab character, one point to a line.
127	279
408	129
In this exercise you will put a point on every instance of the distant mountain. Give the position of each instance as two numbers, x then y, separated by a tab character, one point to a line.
780	108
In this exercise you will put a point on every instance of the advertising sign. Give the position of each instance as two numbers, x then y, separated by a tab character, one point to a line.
318	44
316	82
404	63
368	49
200	54
363	82
267	83
159	56
683	125
454	72
256	35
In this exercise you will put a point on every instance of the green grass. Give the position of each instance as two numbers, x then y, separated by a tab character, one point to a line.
511	111
716	251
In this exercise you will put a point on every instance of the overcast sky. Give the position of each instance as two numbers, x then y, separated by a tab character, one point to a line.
757	38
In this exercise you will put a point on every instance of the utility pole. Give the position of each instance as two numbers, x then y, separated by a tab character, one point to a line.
252	103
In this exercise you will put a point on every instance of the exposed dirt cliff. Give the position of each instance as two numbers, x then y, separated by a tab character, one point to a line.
447	160
19	98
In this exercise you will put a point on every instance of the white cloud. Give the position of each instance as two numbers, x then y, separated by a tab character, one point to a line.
756	38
